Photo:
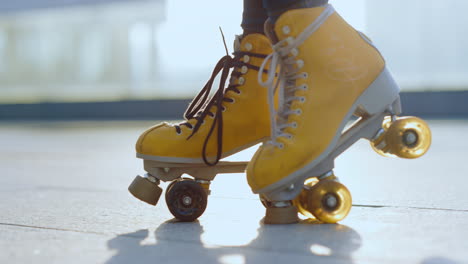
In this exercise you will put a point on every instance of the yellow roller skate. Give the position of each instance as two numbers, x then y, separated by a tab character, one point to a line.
233	119
328	72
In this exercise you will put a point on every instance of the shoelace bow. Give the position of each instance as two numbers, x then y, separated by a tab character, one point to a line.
201	106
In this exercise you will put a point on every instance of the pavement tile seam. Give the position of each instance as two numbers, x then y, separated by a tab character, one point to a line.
53	228
409	207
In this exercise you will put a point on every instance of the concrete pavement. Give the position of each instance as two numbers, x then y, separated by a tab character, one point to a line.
64	199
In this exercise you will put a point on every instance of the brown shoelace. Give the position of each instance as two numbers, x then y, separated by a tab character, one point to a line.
201	106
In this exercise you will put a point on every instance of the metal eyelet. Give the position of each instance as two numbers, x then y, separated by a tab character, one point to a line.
281	145
179	132
246	58
241	80
232	100
248	46
294	124
305	75
244	69
302	99
304	87
295	52
299	111
286	30
300	63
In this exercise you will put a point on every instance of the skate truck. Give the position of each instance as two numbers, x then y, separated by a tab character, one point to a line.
186	197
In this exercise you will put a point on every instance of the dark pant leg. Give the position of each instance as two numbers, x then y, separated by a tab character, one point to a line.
276	7
253	17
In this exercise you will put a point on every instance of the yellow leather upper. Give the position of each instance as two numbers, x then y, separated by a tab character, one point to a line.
245	121
340	66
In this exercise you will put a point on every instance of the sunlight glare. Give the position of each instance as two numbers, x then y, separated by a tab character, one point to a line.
232	259
320	250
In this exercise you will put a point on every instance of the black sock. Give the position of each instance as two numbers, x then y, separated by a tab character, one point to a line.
253	17
277	7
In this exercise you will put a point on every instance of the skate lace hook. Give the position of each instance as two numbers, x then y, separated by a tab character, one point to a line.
277	62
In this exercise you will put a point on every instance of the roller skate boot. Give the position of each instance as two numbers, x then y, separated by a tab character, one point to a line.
233	119
328	73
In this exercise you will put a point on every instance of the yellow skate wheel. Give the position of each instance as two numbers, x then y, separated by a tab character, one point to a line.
301	200
329	201
380	144
409	137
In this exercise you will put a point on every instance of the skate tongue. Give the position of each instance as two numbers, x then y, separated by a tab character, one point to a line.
269	28
237	43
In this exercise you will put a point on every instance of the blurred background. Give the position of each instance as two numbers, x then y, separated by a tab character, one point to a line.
131	59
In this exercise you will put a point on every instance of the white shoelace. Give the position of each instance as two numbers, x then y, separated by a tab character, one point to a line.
288	73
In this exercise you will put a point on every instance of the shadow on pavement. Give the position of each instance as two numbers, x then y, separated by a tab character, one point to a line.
183	243
439	260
